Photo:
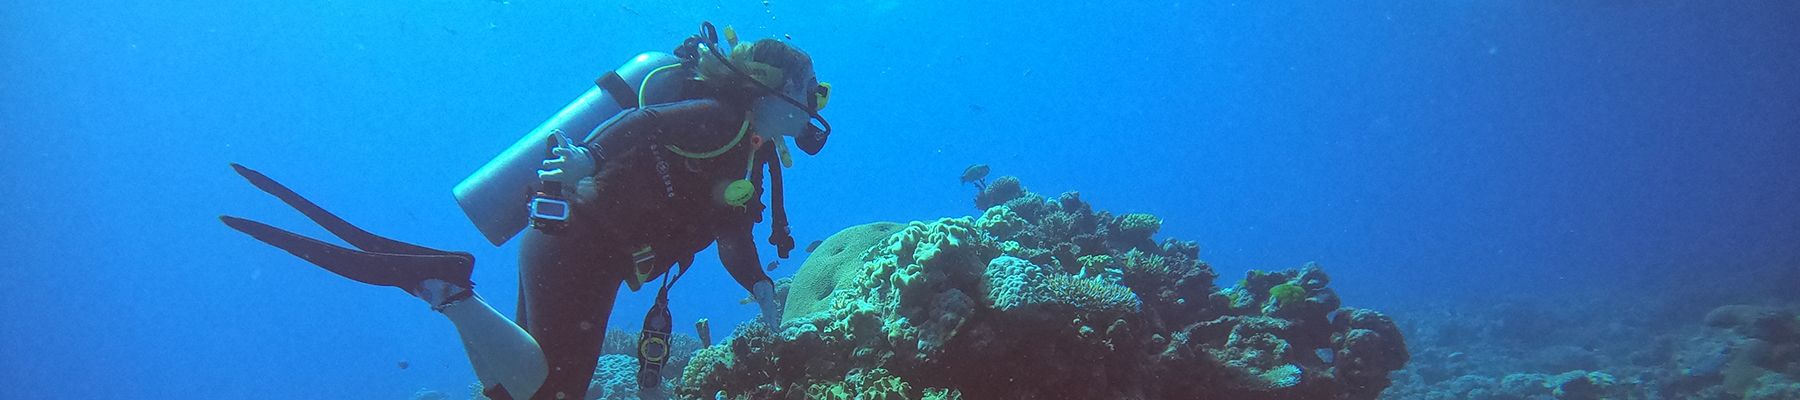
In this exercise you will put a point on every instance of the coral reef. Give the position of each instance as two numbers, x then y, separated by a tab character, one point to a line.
1628	352
615	377
1046	297
1041	298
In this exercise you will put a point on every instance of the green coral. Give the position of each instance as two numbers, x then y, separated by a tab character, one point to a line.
1095	264
1002	223
1144	264
942	394
1011	248
925	259
1235	297
1138	226
1090	295
1282	377
876	384
1012	283
1171	284
1287	294
705	369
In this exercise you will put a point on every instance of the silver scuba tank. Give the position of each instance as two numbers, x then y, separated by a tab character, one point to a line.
497	195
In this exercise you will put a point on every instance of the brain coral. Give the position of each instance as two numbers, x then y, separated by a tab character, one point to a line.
834	264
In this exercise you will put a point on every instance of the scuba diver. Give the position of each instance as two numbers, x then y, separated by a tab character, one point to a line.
667	168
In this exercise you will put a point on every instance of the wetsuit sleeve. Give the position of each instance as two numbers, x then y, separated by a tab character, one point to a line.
737	251
637	127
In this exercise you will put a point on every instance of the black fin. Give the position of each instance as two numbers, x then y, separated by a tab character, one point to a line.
386	269
381	261
350	233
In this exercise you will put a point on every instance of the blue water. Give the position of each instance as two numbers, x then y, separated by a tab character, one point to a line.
1422	151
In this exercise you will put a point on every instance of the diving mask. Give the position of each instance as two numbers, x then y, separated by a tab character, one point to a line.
776	115
774	118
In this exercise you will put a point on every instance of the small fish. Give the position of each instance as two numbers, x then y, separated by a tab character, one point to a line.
814	245
976	174
773	264
705	330
404	364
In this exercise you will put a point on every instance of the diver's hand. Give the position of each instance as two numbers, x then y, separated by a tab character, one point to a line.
570	164
764	293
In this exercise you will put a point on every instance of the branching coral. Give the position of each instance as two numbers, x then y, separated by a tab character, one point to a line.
1013	284
1134	230
1089	295
1000	191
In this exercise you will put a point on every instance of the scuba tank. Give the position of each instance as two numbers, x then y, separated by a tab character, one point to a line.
494	195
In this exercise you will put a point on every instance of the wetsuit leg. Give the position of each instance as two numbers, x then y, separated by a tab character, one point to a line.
569	285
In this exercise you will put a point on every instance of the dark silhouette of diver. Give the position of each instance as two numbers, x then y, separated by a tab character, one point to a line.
652	186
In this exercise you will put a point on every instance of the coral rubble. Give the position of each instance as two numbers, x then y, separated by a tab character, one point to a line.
1042	298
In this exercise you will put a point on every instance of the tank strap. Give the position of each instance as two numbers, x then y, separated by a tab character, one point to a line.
621	92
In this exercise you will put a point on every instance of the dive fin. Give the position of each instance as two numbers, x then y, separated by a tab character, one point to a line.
381	261
350	233
386	269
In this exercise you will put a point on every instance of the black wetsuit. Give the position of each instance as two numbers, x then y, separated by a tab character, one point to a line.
648	196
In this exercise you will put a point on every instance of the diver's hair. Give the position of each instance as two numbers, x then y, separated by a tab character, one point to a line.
793	62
